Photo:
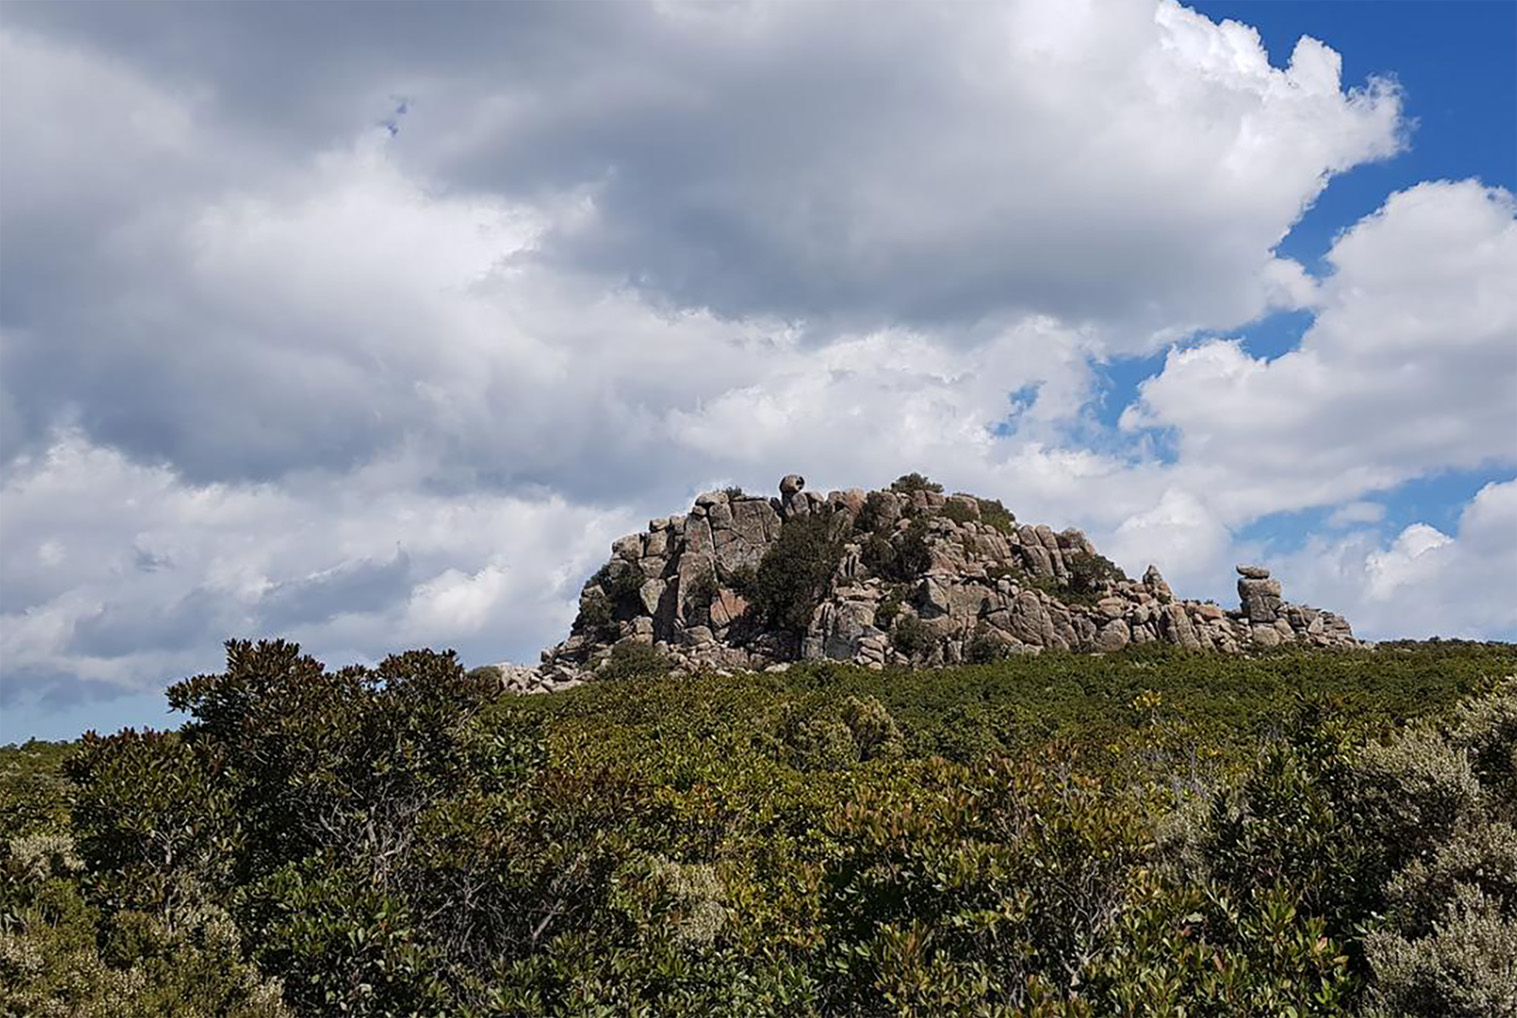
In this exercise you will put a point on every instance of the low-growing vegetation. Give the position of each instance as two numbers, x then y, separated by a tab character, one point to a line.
1144	833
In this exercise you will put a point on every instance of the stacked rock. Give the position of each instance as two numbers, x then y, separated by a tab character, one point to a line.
978	583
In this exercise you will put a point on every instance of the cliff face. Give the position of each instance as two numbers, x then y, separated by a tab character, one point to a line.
906	576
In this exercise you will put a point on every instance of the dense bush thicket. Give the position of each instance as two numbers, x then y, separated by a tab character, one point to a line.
1152	833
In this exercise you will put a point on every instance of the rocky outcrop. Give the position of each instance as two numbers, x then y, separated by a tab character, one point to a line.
914	577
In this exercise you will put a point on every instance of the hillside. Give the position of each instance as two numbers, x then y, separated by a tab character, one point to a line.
903	576
1154	832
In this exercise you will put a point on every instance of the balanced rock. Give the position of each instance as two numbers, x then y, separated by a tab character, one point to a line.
1260	594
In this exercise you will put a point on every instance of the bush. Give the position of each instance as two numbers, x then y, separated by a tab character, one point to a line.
901	559
485	674
878	515
1436	803
913	556
913	637
910	483
698	601
878	555
796	572
997	515
1089	576
958	512
822	735
889	608
984	648
630	659
620	580
596	618
1053	836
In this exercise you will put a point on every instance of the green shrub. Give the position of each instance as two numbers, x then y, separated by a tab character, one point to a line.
878	515
485	674
878	555
620	580
997	515
796	572
1089	575
1435	799
1144	833
958	512
818	735
909	483
984	648
698	600
912	636
902	558
631	659
596	618
889	608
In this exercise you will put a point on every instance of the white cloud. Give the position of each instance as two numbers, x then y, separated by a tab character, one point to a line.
1351	513
128	576
1422	582
1409	368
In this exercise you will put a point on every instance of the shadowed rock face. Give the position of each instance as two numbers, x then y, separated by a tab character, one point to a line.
917	578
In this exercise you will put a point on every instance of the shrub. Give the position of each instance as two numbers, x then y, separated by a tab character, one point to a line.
1056	836
1434	798
901	558
997	515
889	608
485	674
821	735
796	572
734	493
985	648
874	731
630	659
958	512
878	555
878	515
1089	574
596	618
702	594
913	556
620	580
909	483
912	636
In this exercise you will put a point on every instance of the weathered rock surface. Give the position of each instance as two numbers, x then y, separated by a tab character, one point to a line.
967	585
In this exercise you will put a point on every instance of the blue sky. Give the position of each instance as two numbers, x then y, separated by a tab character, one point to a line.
276	359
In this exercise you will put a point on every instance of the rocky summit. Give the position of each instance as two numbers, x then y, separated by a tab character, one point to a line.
906	576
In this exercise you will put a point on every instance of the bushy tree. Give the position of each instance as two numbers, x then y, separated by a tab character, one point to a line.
796	572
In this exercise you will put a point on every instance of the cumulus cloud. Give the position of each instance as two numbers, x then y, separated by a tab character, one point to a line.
1410	366
1422	582
122	575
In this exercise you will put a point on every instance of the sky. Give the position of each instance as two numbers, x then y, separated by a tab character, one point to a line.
371	326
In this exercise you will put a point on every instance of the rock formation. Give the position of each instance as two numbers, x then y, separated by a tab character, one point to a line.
907	576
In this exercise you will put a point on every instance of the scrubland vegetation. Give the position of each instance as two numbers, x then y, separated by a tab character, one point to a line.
1147	833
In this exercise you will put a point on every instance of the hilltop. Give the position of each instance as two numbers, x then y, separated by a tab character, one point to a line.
904	576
